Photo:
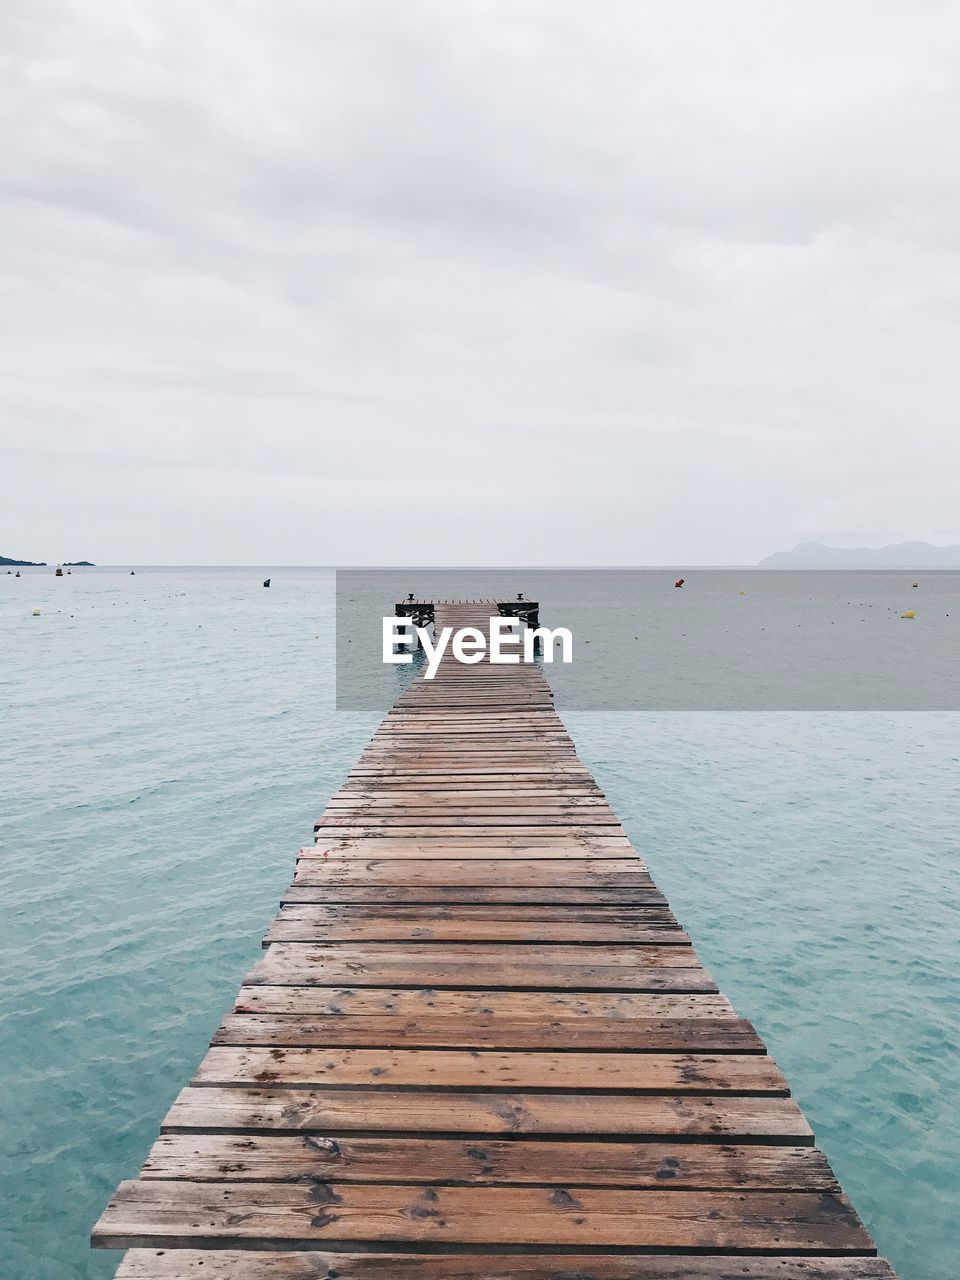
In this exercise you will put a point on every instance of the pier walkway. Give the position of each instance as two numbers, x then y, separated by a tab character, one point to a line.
478	1046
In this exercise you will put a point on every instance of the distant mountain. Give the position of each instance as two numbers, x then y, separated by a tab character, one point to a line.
27	564
899	555
79	564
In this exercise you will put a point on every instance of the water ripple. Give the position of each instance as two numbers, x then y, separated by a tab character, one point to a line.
166	749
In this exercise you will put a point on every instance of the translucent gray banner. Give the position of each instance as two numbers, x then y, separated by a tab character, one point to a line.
726	640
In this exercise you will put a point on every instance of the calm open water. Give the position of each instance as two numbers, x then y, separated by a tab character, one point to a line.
168	739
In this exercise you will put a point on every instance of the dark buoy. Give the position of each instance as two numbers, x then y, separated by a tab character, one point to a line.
519	595
410	595
59	573
679	582
266	582
132	574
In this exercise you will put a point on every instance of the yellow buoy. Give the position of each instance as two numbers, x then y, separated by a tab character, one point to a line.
743	593
910	613
36	613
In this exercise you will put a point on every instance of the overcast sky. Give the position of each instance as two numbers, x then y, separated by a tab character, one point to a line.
461	282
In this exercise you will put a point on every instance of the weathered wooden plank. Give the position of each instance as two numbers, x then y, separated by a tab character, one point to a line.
276	1109
181	1213
222	1264
518	932
324	924
509	789
472	824
623	955
467	795
675	1074
544	741
600	967
484	964
463	802
690	1035
467	815
537	729
220	1157
458	753
529	1005
607	840
498	847
475	914
315	889
619	873
440	843
467	800
360	844
398	773
387	972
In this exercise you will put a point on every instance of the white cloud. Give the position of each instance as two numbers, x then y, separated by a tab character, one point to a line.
526	281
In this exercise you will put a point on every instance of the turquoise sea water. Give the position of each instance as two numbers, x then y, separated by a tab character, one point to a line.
167	740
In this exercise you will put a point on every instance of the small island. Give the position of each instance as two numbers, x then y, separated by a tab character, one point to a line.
42	564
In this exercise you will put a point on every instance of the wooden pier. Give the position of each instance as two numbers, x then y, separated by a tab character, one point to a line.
480	1047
